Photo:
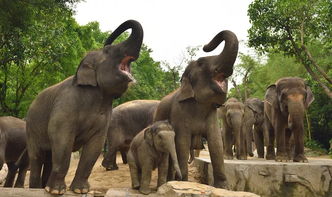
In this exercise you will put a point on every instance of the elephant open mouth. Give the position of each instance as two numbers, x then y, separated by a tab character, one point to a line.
221	82
124	67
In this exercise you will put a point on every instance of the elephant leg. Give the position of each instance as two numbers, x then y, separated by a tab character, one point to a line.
216	151
259	141
60	164
229	139
249	137
270	154
109	161
162	169
90	153
146	177
134	171
12	169
36	163
123	152
23	168
299	146
280	132
47	168
288	149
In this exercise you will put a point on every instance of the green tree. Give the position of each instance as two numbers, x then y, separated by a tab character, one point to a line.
293	27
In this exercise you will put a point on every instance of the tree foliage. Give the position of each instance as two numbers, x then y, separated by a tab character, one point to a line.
291	27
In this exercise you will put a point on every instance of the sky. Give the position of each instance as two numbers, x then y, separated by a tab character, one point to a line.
170	26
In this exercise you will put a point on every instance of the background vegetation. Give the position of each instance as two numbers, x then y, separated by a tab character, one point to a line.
42	44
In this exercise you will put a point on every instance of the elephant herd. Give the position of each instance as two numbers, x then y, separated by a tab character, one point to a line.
76	114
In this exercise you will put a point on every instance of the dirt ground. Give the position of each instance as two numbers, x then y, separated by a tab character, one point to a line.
101	180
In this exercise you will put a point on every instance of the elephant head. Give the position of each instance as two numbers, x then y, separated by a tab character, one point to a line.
205	79
161	135
291	96
109	67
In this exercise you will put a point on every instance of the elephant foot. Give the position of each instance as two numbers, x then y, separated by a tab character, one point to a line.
282	158
300	158
241	157
107	164
112	168
135	185
221	184
145	190
80	187
55	186
228	157
270	156
251	154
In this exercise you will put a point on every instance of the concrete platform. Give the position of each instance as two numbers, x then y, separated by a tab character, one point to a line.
273	179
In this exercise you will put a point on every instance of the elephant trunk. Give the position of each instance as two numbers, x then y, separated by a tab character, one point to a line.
296	115
174	157
239	138
132	45
225	60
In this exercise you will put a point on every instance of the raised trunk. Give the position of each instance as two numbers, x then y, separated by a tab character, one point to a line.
133	44
227	57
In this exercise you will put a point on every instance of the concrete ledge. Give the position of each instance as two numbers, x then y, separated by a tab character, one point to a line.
24	192
270	178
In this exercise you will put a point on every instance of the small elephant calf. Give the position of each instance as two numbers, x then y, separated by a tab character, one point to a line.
150	149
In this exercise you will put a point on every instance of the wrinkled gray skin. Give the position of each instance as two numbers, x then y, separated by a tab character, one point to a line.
232	115
284	108
13	149
192	108
127	120
254	125
74	113
150	149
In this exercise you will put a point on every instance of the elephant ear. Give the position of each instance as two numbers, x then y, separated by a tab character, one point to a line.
186	90
271	96
310	97
148	135
86	72
256	107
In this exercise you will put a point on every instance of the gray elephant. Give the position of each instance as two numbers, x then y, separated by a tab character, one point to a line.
254	126
75	113
284	108
13	150
127	120
192	108
232	115
150	149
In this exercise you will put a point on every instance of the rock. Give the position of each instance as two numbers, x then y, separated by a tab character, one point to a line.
270	178
181	189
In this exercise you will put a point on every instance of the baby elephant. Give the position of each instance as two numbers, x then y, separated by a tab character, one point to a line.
150	149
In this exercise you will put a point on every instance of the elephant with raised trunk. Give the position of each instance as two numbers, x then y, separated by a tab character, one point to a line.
232	115
13	150
75	113
284	109
127	120
192	108
150	149
254	126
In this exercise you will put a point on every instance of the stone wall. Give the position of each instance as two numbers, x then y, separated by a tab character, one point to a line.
274	179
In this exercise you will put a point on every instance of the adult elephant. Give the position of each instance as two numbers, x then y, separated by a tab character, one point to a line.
127	120
254	126
286	102
232	115
75	113
13	150
192	108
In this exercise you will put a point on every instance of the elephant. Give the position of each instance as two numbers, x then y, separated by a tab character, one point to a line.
284	108
13	150
254	126
192	108
75	113
127	120
232	116
150	149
